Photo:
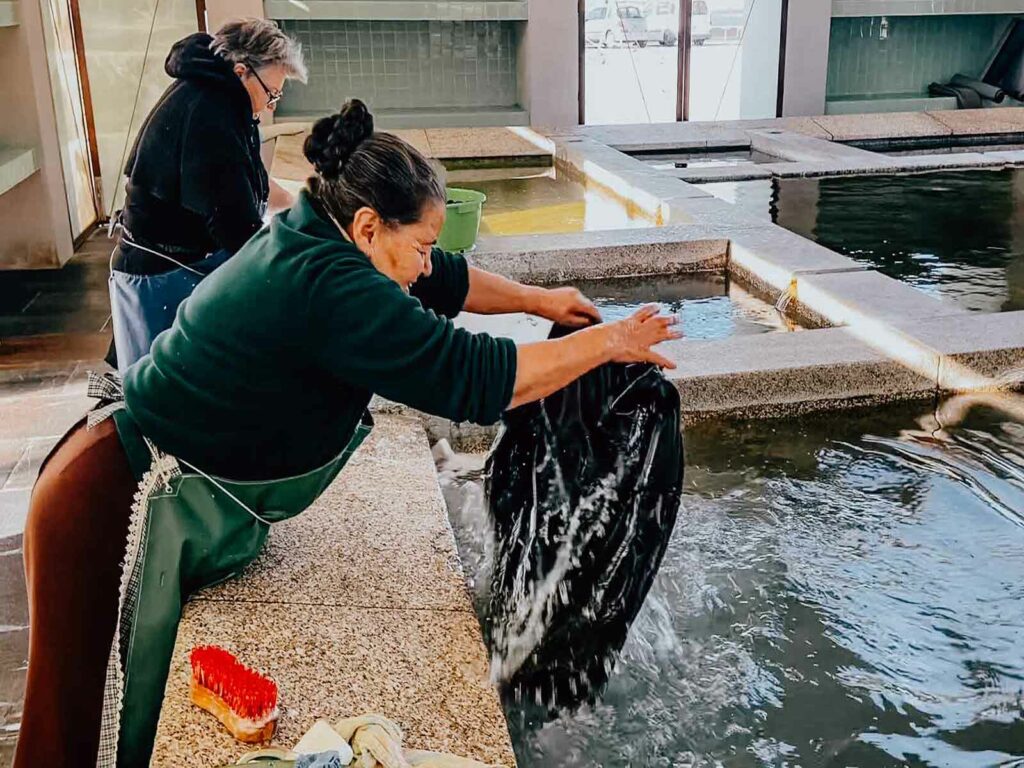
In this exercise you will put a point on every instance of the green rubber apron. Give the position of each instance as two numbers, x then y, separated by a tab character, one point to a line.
187	531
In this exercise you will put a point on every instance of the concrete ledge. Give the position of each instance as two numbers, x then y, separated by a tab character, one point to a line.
741	172
711	211
873	164
663	136
769	260
975	347
894	104
482	142
612	253
788	145
786	373
950	161
982	122
355	606
498	145
889	125
681	137
858	297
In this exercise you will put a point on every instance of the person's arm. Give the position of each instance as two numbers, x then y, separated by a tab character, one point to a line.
545	367
373	335
280	198
491	294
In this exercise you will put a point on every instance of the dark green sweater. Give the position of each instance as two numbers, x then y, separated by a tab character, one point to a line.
271	362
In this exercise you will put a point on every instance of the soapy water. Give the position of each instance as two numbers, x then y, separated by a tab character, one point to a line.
838	591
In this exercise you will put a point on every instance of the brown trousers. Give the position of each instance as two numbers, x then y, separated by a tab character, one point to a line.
74	543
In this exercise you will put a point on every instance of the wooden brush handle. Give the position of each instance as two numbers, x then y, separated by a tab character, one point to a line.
242	730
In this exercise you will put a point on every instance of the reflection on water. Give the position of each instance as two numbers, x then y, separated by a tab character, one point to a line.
545	201
955	234
709	305
840	591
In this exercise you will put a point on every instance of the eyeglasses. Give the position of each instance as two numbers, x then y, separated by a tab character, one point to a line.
272	96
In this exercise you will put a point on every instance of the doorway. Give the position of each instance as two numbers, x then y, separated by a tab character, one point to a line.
657	61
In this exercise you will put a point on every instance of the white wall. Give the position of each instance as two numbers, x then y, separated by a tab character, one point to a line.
807	36
760	60
549	64
35	226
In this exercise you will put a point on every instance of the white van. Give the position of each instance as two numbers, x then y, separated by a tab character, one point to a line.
700	22
611	23
663	21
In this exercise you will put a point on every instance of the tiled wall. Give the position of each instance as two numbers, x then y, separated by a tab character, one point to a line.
399	10
919	50
404	64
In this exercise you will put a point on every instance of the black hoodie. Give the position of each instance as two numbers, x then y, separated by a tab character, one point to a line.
196	183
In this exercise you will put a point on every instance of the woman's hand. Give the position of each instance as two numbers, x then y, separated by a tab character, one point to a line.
547	366
565	306
633	337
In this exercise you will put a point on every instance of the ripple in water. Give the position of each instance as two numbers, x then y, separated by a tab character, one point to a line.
838	592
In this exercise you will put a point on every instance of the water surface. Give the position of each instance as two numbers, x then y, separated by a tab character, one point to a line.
838	591
956	235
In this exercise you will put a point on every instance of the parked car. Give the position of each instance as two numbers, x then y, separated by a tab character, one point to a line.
663	21
700	22
611	24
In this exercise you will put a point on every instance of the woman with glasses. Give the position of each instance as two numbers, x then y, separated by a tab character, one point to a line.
196	186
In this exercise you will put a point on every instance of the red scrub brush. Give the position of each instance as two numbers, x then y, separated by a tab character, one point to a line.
241	698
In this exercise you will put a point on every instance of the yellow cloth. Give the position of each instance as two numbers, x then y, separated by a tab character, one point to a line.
377	743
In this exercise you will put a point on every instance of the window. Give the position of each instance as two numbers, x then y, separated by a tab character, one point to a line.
700	8
629	12
596	14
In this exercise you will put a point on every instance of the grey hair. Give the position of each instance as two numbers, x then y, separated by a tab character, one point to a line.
259	43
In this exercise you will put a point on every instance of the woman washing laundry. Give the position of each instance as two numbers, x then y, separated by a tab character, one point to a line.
248	407
196	186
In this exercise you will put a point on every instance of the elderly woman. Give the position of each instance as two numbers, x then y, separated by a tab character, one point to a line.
248	407
197	188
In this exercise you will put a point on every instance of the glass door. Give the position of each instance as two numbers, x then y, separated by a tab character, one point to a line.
630	61
734	59
126	42
635	69
68	85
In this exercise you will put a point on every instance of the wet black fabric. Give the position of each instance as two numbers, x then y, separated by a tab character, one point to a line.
583	490
196	183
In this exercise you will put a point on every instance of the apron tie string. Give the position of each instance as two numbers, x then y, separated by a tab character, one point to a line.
108	389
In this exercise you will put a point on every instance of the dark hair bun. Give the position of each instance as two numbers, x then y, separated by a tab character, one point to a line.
333	139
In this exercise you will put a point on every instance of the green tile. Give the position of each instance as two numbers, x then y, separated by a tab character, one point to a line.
918	50
405	65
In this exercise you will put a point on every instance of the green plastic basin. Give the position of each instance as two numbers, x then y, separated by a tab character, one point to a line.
462	222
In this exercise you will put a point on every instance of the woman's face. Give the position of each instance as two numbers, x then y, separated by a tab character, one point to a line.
265	87
402	252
